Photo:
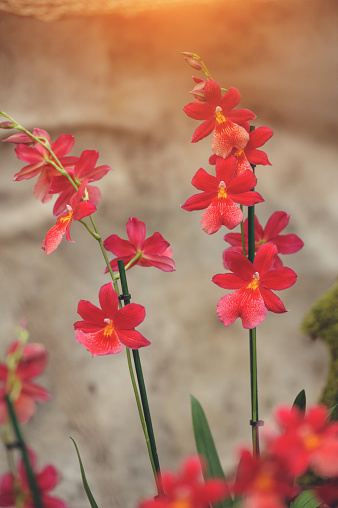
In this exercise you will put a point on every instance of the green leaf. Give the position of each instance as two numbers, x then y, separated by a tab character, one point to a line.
206	447
332	412
84	480
300	401
306	499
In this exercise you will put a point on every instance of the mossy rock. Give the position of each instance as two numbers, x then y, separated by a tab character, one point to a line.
321	322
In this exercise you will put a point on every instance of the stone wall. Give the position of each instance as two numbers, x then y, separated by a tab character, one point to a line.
118	84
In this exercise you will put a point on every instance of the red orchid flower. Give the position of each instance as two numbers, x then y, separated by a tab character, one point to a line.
249	154
307	440
263	482
15	490
84	169
76	210
17	381
37	156
228	126
286	244
153	251
220	193
187	488
105	331
253	283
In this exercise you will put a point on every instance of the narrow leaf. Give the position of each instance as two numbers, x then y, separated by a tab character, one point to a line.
306	499
300	401
84	480
206	447
332	413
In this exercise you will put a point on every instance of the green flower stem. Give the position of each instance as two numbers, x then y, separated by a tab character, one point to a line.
242	233
252	338
139	373
25	457
136	258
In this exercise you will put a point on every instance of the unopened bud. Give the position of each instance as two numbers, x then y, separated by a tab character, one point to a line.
19	138
7	125
198	91
194	63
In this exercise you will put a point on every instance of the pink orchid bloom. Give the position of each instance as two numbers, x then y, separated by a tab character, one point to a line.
37	156
105	331
253	283
263	482
220	193
153	251
187	488
249	154
17	382
76	210
286	244
15	490
229	127
307	440
84	169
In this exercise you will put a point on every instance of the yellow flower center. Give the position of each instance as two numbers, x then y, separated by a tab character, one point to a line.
263	482
222	193
239	152
311	441
68	217
255	282
220	118
109	329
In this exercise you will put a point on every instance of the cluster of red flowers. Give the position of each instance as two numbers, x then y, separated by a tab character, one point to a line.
23	363
303	442
235	148
106	330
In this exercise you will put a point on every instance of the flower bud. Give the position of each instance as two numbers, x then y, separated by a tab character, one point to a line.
198	91
7	125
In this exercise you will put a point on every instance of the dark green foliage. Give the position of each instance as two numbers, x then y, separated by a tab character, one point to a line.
321	322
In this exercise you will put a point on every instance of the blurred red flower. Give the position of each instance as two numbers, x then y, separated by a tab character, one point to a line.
187	488
15	491
105	331
153	251
23	364
307	440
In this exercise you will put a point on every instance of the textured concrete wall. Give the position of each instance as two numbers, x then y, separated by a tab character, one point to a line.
118	85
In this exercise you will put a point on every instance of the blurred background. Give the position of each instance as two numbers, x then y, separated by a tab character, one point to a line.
111	74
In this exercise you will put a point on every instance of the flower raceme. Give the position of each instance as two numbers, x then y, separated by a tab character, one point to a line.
253	283
230	127
105	331
77	209
153	251
38	158
220	195
286	244
15	490
249	154
84	169
16	378
187	489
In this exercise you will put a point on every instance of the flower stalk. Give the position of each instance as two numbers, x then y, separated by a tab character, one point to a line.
25	457
145	415
252	338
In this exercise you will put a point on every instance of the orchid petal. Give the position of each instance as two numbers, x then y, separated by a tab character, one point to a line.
136	231
230	100
228	281
272	302
109	300
240	265
91	314
280	278
133	339
98	343
276	223
265	258
129	316
198	201
288	244
198	111
63	145
204	182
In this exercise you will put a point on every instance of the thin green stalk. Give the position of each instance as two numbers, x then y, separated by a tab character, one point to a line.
140	378
25	457
242	233
252	338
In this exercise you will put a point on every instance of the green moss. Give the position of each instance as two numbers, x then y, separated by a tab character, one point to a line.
321	322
